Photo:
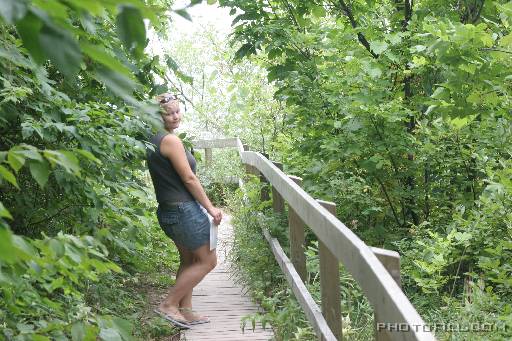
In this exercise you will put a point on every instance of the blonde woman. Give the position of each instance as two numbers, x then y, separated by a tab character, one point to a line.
181	214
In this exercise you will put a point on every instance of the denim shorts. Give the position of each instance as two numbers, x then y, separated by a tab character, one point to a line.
186	223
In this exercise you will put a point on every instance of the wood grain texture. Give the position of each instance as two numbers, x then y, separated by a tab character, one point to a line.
208	157
218	143
302	294
330	282
296	232
391	261
277	199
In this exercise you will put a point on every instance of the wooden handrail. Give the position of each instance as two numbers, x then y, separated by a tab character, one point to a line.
389	302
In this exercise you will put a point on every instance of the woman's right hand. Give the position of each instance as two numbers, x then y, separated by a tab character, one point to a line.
216	214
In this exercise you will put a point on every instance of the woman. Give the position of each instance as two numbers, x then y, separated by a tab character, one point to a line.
180	197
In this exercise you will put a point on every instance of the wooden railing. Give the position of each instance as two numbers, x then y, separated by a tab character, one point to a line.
376	270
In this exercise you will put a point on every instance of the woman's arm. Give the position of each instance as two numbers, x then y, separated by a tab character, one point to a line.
172	148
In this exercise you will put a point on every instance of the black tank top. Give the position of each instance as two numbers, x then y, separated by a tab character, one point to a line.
167	183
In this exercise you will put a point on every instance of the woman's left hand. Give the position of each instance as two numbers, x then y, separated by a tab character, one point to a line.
216	214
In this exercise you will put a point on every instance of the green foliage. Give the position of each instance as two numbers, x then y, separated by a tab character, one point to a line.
220	176
75	213
224	97
401	115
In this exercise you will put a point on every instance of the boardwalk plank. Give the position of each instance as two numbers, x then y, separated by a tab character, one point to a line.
221	297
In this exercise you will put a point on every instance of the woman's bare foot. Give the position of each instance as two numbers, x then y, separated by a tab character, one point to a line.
172	311
193	316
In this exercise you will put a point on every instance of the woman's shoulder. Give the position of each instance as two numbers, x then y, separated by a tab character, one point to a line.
170	143
171	139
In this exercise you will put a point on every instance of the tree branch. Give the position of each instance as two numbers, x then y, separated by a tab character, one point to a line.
54	215
360	36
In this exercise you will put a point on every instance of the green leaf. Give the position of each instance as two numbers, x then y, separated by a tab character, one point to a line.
245	50
25	328
318	11
69	161
15	160
94	7
110	334
24	250
12	10
57	247
7	249
378	46
99	54
183	12
171	63
486	39
29	28
506	41
29	152
65	159
131	29
67	57
7	175
460	122
83	332
88	155
40	171
77	331
118	83
374	72
124	327
4	213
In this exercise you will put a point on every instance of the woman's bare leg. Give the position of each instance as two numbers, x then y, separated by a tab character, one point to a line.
189	277
186	259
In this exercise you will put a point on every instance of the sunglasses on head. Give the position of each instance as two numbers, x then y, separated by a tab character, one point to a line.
167	99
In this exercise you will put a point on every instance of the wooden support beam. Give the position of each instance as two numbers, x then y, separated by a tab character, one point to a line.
208	157
264	196
218	143
248	168
330	282
296	232
277	199
391	262
308	304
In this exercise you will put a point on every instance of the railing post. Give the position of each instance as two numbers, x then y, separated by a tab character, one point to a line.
277	199
297	238
264	196
248	168
330	282
391	262
208	157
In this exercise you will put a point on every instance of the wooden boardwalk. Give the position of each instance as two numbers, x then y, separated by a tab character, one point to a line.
220	298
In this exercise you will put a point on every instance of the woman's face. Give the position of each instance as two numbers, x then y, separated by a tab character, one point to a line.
171	114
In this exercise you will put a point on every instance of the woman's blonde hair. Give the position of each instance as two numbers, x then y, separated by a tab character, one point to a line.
167	99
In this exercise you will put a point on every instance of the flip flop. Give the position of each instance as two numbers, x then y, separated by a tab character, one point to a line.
198	321
177	322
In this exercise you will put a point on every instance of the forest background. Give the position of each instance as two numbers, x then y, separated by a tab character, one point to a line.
399	112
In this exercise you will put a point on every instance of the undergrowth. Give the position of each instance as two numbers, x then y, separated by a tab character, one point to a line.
67	287
478	315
